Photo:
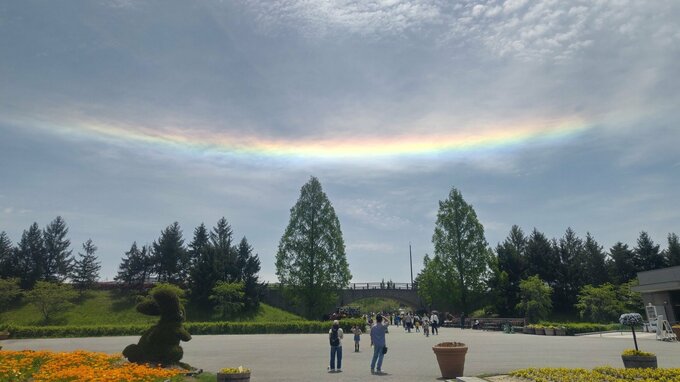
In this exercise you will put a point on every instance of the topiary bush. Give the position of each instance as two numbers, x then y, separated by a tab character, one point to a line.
160	343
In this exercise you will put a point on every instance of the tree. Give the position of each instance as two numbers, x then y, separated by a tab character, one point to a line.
57	261
51	298
136	267
535	301
225	259
460	244
570	272
30	255
621	264
9	291
228	298
512	261
249	267
203	274
86	269
541	258
7	257
429	282
647	254
170	256
672	253
594	267
599	304
311	261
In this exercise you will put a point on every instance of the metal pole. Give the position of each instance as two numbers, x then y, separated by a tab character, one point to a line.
410	257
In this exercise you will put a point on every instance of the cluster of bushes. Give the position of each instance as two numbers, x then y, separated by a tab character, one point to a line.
573	328
195	328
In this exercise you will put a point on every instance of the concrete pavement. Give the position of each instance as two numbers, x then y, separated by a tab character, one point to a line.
304	357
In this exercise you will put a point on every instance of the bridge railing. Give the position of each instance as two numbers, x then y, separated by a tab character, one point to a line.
366	286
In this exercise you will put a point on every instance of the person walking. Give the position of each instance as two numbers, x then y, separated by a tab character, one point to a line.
426	325
335	339
379	345
434	320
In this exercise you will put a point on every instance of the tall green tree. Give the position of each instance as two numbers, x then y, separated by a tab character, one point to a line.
459	242
30	257
570	271
7	257
225	257
429	282
57	261
621	263
136	267
647	254
203	274
594	263
311	261
170	255
672	253
249	267
85	271
511	255
541	258
600	303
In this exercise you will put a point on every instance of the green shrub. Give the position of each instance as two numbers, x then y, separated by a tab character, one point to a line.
573	328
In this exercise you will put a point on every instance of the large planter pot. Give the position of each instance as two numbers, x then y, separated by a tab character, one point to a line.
540	331
676	330
451	358
4	335
528	330
237	377
549	331
560	332
639	362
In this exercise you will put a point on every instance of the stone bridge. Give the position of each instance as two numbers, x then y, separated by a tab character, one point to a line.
405	293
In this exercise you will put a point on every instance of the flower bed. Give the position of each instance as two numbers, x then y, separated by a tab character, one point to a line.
77	366
608	374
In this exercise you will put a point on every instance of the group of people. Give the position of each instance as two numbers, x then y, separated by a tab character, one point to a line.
426	321
377	332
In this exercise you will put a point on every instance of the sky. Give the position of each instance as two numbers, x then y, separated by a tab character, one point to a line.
126	116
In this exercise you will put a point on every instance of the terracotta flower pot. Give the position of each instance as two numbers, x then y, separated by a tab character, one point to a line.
451	358
236	377
639	362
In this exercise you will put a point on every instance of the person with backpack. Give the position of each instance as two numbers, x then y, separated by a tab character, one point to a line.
335	339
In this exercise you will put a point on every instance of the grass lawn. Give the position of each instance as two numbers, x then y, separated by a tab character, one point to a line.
111	308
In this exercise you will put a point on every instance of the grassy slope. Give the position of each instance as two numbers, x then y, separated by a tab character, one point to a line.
107	308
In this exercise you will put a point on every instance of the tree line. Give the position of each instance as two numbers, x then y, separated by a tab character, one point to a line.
216	272
531	274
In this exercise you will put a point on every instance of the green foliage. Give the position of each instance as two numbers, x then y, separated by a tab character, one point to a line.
535	300
85	271
508	269
228	298
599	304
647	255
637	353
51	298
197	328
672	252
170	256
376	304
202	272
311	261
29	256
135	268
621	265
573	328
461	262
57	261
9	291
7	257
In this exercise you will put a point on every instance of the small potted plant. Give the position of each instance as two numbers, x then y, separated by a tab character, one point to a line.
451	358
634	358
240	374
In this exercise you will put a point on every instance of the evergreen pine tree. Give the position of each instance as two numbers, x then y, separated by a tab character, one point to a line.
672	253
203	274
86	269
512	260
170	255
594	266
249	266
57	261
570	277
541	258
647	254
621	264
136	267
225	258
7	257
31	257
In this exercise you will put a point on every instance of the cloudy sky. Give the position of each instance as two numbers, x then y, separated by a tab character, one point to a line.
125	116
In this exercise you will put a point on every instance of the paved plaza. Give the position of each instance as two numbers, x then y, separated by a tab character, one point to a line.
304	357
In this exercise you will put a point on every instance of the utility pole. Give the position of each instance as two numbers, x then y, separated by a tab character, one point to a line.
410	257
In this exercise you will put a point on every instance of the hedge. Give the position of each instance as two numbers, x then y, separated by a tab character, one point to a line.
573	328
195	328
